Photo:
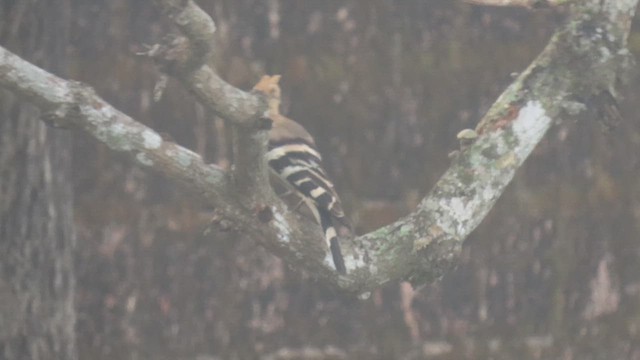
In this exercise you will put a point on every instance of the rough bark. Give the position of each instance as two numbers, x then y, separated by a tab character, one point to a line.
37	314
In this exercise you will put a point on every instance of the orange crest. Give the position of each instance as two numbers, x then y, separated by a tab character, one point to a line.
268	85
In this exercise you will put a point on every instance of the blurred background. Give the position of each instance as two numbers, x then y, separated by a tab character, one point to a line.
384	86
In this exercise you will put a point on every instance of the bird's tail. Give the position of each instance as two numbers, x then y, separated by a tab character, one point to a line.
331	238
336	253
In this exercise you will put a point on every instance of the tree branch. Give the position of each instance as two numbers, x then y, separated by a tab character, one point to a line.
584	59
187	61
67	103
196	24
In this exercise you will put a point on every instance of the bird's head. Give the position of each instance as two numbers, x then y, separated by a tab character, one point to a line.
268	85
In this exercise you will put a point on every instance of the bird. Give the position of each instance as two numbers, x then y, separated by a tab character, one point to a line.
293	156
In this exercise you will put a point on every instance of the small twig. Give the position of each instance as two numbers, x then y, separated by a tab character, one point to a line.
532	4
158	89
308	353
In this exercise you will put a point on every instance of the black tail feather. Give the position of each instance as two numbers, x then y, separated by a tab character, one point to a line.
329	230
338	260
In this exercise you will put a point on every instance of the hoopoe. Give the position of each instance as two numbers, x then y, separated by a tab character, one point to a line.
293	156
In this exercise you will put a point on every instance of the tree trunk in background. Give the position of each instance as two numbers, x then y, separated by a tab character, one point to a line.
37	314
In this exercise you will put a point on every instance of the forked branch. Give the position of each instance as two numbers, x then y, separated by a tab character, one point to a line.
583	60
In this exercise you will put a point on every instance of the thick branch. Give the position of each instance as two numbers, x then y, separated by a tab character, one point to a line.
190	64
73	104
196	24
70	103
244	110
582	61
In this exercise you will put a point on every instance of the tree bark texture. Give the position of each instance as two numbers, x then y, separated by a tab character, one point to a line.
37	314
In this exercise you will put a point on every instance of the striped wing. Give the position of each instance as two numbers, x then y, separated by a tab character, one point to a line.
299	163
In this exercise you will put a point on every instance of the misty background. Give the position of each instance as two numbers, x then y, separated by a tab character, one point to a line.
384	86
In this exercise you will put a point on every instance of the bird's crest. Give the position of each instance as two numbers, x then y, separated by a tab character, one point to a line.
268	85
